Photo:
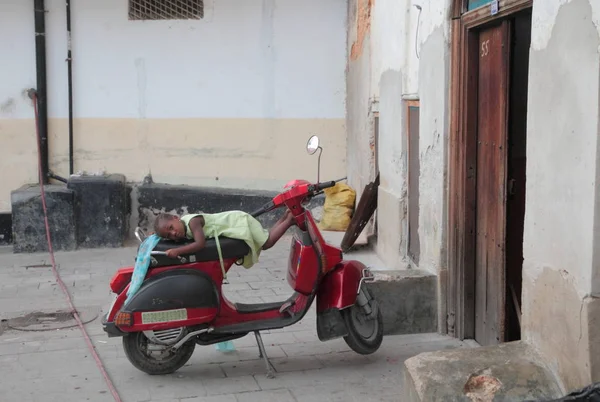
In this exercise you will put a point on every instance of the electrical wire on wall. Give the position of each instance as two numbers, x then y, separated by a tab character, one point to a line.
33	95
418	7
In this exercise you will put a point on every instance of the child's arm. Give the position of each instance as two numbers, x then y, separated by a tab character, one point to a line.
197	245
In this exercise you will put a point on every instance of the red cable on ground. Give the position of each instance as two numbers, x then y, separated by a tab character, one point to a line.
112	388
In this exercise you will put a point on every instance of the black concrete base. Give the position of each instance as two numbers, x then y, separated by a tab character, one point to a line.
102	206
408	301
94	211
5	229
29	231
152	199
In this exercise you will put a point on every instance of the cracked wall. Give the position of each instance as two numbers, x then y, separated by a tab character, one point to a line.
433	135
359	95
410	59
404	55
561	243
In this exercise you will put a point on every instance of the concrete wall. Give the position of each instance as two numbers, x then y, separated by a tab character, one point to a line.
359	119
405	57
561	273
561	286
389	28
226	101
434	79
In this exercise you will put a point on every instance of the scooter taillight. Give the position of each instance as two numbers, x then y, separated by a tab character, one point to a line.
124	319
121	279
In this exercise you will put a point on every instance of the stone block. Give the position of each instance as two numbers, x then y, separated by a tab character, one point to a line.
408	300
102	206
592	307
506	372
29	230
5	229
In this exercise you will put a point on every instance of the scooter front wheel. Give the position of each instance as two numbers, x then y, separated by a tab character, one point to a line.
155	362
364	335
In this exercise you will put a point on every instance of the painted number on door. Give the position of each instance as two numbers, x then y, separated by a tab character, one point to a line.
485	48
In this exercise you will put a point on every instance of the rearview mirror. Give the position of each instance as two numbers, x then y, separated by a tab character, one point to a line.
140	235
312	145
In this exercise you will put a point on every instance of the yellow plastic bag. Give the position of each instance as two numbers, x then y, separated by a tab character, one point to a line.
338	208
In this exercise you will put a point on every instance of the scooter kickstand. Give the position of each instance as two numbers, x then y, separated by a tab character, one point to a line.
263	354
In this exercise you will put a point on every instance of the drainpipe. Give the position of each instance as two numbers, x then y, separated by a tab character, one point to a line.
40	62
70	85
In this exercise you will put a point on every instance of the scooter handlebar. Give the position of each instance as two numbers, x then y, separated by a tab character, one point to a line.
324	185
265	208
314	189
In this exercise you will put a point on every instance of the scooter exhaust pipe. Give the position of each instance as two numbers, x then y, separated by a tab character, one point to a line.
191	335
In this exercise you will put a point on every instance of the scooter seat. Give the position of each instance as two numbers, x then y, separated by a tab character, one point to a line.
230	248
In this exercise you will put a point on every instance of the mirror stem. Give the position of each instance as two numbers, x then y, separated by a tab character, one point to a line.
319	166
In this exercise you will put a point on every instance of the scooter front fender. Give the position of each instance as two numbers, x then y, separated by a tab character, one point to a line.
339	288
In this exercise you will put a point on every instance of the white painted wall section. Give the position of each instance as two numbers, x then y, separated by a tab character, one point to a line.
230	95
250	59
544	18
563	130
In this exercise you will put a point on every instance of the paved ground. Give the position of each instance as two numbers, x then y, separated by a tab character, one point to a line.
49	366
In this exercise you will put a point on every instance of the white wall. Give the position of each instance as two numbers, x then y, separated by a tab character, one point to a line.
434	81
18	164
359	119
396	73
544	18
563	131
240	87
252	58
561	238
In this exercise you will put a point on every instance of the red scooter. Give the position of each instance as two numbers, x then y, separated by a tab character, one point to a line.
181	303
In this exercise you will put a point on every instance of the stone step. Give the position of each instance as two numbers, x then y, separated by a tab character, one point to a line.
506	372
408	300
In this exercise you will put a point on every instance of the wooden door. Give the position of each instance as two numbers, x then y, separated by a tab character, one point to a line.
492	116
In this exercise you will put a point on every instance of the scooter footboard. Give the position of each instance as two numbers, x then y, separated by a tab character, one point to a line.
338	290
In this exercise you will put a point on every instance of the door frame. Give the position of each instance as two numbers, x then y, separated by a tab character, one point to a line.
462	178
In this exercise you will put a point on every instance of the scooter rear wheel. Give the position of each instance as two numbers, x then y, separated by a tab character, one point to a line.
136	350
364	335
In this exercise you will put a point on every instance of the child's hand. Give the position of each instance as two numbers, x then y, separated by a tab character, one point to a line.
172	253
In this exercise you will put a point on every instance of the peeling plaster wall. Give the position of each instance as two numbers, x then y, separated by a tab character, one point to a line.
389	28
544	18
433	91
561	312
561	273
359	120
225	101
389	71
425	78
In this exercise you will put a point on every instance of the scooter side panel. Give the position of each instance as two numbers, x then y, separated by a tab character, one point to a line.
339	288
175	290
303	267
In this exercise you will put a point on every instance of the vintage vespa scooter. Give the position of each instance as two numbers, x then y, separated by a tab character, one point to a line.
181	303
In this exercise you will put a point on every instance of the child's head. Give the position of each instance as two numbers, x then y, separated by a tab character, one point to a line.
169	226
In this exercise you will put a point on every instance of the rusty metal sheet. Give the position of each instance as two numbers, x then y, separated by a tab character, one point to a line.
364	210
